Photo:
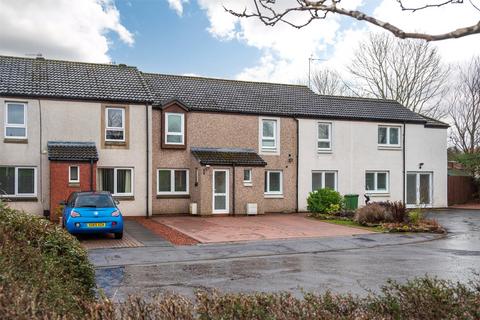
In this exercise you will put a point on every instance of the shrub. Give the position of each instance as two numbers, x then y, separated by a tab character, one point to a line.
396	209
43	261
415	215
324	201
370	214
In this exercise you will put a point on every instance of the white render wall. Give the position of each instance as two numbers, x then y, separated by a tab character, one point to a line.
355	151
75	121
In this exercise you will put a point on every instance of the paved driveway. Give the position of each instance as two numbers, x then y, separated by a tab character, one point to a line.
251	228
341	264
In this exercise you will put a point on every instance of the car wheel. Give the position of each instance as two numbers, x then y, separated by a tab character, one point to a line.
118	235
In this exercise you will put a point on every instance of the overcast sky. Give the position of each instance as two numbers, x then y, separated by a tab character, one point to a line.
199	37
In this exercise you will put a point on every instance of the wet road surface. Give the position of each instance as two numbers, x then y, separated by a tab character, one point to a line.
349	269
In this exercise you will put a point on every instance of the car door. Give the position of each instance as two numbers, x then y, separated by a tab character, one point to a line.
68	206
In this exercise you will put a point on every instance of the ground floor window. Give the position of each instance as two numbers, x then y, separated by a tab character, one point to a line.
172	181
376	181
18	181
273	182
247	176
74	174
324	179
116	180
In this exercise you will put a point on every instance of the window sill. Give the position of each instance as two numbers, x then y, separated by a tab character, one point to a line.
14	140
19	199
386	147
379	194
273	196
173	196
115	143
269	151
173	146
74	184
124	198
324	151
247	184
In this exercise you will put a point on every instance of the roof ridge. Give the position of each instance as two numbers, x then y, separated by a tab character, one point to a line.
227	80
359	98
42	59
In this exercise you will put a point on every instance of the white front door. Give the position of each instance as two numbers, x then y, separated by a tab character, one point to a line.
419	189
220	191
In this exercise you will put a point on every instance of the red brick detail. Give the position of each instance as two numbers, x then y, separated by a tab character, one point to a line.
60	188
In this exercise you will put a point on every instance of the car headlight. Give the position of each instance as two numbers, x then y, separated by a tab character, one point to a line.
115	213
74	214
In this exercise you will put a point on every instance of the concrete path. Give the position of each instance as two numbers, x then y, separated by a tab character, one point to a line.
345	264
250	228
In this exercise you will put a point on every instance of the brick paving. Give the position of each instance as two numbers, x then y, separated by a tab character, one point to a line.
263	227
108	241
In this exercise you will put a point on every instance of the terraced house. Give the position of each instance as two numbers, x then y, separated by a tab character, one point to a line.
165	144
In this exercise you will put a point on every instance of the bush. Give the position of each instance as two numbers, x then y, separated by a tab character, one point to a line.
40	259
324	201
396	209
371	214
415	216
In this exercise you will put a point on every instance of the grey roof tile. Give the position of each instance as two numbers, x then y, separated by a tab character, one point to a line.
38	77
219	95
227	156
71	151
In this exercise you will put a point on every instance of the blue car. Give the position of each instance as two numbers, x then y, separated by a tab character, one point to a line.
92	212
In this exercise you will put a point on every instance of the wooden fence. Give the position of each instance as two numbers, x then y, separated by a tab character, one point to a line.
460	189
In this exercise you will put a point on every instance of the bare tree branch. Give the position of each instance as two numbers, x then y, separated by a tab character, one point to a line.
267	12
465	109
409	72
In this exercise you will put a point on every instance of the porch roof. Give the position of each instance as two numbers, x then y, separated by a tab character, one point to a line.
72	151
228	156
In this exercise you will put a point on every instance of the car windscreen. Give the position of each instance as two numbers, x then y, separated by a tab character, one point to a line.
94	201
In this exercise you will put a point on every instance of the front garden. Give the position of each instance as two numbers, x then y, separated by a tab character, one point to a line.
329	205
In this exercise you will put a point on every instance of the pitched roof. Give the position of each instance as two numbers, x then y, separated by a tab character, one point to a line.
434	123
39	77
228	156
219	95
71	151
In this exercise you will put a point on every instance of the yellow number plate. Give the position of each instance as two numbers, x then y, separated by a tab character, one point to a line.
96	225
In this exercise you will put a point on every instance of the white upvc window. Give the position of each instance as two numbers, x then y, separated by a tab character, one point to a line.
73	174
16	120
119	181
377	182
172	181
247	177
324	179
269	135
389	136
273	182
114	124
174	128
324	138
18	181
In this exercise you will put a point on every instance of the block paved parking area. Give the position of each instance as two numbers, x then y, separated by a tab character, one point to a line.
251	228
134	235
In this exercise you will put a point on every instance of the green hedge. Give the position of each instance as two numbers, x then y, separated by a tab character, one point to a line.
44	262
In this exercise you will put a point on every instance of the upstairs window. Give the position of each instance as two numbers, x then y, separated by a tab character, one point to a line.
15	120
18	182
269	134
172	181
175	128
376	182
324	142
115	124
389	136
